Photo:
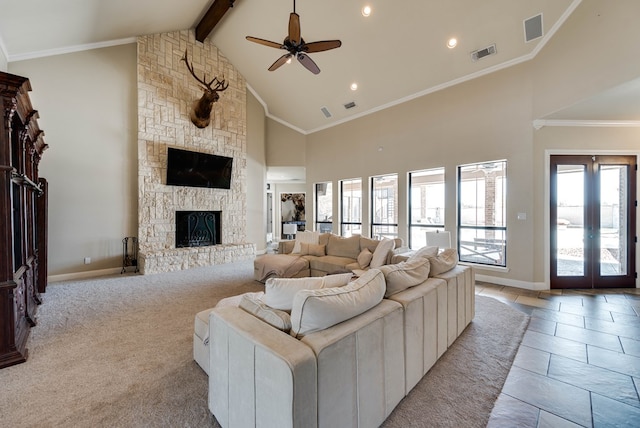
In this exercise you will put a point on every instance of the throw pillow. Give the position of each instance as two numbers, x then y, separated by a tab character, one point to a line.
425	252
364	258
274	317
279	292
405	275
315	310
307	237
344	247
336	280
379	257
443	262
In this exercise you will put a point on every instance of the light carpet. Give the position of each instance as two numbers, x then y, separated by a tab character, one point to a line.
117	352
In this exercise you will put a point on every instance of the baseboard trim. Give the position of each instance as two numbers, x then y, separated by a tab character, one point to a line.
83	275
534	286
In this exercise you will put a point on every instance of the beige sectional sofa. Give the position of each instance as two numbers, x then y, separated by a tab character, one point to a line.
326	253
350	374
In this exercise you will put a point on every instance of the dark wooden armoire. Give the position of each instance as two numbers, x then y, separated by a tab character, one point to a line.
23	218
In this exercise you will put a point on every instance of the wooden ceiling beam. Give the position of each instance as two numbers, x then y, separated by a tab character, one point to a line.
211	18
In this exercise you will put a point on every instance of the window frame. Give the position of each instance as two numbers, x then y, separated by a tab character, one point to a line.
430	227
491	245
344	223
372	205
319	223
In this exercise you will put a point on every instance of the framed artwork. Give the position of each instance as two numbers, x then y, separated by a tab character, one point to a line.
292	209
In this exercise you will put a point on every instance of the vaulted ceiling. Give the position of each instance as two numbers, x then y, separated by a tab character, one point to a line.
397	53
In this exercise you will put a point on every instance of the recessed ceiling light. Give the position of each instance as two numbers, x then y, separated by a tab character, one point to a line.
366	11
354	86
452	43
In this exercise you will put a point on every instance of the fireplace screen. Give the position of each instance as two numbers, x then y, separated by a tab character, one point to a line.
197	228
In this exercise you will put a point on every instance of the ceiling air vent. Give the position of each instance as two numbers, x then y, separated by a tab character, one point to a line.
326	112
533	28
481	53
349	105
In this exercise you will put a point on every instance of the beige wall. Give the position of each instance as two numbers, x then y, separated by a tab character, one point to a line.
483	120
256	174
285	147
87	105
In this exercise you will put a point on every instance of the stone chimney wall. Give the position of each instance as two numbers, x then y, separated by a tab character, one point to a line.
166	90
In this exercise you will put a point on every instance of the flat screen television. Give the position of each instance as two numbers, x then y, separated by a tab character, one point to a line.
193	169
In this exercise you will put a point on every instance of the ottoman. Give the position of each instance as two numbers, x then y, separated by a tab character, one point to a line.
201	329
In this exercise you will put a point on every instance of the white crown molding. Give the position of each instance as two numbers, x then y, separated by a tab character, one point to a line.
3	48
539	123
271	116
71	49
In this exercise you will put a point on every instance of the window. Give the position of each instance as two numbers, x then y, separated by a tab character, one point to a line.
324	207
481	213
426	205
351	209
384	202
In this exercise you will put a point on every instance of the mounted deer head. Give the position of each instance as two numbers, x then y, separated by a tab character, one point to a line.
200	113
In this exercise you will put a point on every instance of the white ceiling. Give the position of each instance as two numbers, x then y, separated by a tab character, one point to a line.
396	54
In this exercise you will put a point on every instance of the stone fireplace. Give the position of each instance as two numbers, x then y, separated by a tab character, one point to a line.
198	228
165	92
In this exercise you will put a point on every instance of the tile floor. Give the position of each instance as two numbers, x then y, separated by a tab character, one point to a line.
579	361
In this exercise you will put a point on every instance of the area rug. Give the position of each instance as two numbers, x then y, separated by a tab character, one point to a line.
117	352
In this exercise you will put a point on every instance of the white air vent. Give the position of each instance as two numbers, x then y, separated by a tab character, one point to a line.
481	53
349	105
533	28
326	112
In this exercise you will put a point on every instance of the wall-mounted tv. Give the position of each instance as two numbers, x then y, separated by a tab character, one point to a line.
193	169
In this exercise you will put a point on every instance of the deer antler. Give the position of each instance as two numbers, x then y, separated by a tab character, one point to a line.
220	85
200	113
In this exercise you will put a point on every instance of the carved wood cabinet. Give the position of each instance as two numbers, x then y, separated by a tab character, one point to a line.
23	218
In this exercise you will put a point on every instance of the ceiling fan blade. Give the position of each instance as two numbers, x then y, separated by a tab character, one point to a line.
322	46
279	62
294	28
308	63
265	42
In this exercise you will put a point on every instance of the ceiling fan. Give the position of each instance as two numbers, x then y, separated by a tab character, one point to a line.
295	45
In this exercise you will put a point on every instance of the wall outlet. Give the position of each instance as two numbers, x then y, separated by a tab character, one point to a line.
87	260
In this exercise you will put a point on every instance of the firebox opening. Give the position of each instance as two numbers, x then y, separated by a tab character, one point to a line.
198	228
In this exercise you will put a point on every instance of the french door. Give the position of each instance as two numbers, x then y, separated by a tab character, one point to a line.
593	221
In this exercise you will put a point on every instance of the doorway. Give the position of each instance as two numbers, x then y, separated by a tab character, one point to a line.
593	221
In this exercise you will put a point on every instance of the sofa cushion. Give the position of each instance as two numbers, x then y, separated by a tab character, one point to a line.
274	317
315	310
329	263
368	243
364	258
381	253
306	237
443	262
344	247
316	250
404	275
279	292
